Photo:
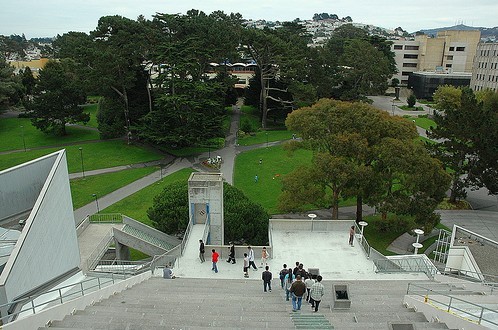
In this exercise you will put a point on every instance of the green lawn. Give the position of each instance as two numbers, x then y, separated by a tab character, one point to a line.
425	123
136	205
95	155
377	239
263	136
103	184
92	110
12	130
276	163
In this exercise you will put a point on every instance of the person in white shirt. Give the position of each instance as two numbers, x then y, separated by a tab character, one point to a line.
251	258
309	282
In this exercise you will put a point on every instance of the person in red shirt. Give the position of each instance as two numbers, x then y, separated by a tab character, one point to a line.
214	259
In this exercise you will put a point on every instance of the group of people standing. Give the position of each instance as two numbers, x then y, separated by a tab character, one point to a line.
298	283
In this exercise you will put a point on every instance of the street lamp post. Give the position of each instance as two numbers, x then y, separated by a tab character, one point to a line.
82	166
363	224
312	216
23	140
96	202
417	245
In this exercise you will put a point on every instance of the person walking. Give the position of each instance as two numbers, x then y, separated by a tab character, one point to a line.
246	265
282	274
231	255
351	236
309	282
316	294
288	279
251	258
266	277
214	259
298	288
201	251
264	257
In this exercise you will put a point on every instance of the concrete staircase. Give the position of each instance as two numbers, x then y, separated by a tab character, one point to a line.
189	303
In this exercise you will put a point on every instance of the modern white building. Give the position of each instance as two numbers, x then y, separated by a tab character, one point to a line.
46	249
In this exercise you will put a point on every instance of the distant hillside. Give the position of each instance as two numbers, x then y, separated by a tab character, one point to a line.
489	33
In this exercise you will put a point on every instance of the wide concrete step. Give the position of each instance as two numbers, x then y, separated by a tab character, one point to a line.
241	304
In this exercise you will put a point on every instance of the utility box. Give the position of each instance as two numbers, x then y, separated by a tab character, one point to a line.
342	299
314	272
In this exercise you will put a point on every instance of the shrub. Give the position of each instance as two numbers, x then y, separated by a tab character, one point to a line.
411	100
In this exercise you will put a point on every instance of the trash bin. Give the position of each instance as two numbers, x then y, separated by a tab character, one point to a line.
342	299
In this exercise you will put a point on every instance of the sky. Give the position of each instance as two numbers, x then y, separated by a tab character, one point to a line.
47	18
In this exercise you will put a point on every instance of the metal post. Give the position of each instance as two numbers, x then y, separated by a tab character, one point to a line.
60	295
82	166
96	202
82	291
449	304
312	216
33	306
23	140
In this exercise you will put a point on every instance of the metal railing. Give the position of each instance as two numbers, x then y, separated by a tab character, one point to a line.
99	251
465	309
185	237
122	267
106	218
413	263
362	240
35	303
485	279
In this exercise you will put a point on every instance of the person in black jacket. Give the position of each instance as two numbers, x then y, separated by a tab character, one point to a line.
266	276
201	250
231	255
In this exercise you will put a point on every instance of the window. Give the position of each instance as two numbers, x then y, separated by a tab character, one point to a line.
448	65
452	49
405	73
409	65
412	56
411	47
398	46
449	57
460	49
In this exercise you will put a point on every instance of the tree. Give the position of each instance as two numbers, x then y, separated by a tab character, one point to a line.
28	80
411	100
10	87
467	129
360	147
244	220
57	97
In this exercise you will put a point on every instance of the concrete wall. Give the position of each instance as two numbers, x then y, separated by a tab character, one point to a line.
136	243
207	188
48	245
60	311
151	231
21	185
460	257
308	225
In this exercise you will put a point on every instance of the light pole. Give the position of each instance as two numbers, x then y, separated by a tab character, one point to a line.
363	224
23	141
417	245
82	166
312	216
96	202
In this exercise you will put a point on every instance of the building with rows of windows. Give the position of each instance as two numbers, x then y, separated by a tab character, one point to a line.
485	72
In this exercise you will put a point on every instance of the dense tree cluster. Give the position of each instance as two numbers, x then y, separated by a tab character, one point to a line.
467	126
245	221
363	152
152	73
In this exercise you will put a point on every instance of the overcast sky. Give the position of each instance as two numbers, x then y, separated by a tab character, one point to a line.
47	18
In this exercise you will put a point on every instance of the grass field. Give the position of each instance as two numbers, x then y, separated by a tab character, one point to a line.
425	123
103	184
13	129
136	205
92	110
261	137
95	155
276	163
